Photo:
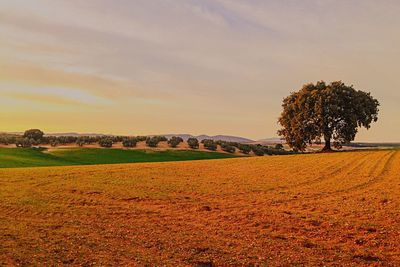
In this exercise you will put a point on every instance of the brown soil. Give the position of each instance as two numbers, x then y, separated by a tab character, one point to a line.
338	209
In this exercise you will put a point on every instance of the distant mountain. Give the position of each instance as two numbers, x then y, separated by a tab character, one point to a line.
273	140
77	134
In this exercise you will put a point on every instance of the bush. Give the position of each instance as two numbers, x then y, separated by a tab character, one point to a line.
106	142
141	138
81	141
175	141
54	142
279	146
67	139
129	142
152	141
7	139
209	144
23	142
193	143
117	139
268	150
4	140
163	138
228	148
258	150
245	149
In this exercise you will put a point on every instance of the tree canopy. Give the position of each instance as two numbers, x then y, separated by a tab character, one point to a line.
332	111
34	134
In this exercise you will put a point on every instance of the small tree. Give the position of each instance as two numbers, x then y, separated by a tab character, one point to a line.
209	144
175	141
228	148
34	134
326	111
129	142
193	143
23	142
141	138
54	142
245	149
162	138
81	141
106	142
4	140
279	146
152	141
258	150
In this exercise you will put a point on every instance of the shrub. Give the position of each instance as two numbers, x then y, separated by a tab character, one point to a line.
258	150
220	142
141	138
8	139
193	143
267	150
4	140
66	139
245	149
54	142
279	146
117	139
162	138
228	148
81	141
209	144
106	142
152	141
129	142
23	142
175	141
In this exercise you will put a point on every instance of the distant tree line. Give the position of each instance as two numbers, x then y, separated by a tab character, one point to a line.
36	137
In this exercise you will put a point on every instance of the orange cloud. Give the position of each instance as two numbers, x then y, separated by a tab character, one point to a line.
38	76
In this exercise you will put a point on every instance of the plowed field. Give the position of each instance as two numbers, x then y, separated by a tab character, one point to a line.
333	209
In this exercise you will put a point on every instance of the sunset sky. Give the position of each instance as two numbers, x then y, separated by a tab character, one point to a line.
189	66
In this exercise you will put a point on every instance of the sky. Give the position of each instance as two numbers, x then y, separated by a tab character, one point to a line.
190	66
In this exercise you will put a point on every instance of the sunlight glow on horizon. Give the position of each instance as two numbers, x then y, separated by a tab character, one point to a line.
189	66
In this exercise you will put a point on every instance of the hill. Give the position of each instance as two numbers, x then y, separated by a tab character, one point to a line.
273	140
259	211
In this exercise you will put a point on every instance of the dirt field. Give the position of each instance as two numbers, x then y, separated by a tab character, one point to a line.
322	209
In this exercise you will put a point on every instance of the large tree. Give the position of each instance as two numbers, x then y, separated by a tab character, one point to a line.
34	134
332	112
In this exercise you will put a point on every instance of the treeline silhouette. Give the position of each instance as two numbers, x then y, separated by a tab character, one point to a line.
36	137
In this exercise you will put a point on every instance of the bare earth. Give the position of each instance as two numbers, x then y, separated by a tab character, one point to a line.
339	209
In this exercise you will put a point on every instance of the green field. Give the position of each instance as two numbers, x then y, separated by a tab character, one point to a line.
38	157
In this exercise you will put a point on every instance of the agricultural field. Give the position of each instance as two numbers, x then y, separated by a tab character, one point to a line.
332	209
39	157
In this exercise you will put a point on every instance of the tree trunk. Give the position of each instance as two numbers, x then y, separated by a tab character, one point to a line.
327	147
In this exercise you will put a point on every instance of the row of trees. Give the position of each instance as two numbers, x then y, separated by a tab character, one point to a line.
257	149
36	137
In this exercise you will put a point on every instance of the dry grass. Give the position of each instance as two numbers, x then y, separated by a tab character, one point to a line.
322	209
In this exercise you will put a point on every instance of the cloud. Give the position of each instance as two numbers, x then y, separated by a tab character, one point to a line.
220	61
96	85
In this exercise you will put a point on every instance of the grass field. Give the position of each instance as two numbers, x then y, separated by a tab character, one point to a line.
335	209
37	157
